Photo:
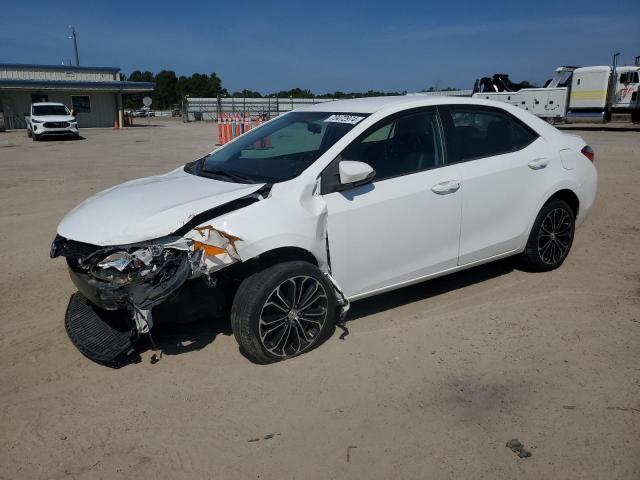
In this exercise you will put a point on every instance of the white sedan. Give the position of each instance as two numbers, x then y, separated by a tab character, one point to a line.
322	206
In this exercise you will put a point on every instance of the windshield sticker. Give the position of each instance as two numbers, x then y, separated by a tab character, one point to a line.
350	119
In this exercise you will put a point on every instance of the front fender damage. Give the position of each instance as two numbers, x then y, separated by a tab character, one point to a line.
138	277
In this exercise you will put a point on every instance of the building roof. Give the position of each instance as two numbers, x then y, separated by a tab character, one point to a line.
110	86
65	68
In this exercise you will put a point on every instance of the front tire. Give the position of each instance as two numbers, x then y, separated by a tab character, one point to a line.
283	311
551	237
29	134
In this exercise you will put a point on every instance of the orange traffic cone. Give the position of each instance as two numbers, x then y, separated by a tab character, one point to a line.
229	135
220	136
258	143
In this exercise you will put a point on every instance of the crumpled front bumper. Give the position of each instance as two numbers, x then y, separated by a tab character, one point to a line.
152	281
144	295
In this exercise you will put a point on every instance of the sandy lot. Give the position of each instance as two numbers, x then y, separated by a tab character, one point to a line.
431	383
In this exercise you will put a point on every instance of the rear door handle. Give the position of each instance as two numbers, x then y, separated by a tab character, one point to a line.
444	188
538	163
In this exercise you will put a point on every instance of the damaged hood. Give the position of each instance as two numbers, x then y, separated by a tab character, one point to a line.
147	208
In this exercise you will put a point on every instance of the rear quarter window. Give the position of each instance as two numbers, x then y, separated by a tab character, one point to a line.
522	135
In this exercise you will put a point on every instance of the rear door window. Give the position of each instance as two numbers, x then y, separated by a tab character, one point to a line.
477	132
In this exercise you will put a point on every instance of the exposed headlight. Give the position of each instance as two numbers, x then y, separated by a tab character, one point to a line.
72	120
124	267
33	120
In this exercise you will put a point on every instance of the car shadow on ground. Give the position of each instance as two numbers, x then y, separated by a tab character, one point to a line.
60	138
196	329
188	322
176	339
429	289
603	128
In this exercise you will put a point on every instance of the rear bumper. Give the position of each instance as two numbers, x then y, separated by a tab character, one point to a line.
587	194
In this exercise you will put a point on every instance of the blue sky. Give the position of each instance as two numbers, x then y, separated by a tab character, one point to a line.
326	45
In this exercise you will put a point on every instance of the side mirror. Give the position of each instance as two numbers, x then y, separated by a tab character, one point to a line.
353	173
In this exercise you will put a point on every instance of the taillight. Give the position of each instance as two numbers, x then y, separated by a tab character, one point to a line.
588	152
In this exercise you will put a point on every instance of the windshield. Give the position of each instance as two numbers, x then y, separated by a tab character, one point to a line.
45	110
279	150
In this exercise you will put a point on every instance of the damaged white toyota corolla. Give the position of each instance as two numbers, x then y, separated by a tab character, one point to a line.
322	206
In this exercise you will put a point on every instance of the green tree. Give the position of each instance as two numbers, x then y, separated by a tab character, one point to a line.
138	76
202	86
165	94
295	93
247	94
134	100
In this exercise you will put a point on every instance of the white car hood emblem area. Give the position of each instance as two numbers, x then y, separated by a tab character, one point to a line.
147	208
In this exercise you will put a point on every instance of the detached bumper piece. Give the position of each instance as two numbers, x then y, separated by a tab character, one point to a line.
100	335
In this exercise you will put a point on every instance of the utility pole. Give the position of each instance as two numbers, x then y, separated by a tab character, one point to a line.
75	45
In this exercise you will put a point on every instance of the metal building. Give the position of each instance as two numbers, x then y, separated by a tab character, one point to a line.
93	93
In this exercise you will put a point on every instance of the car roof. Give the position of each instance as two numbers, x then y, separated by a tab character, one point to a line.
391	104
48	103
375	104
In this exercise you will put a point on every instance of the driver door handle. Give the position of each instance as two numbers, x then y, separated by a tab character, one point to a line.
444	188
538	163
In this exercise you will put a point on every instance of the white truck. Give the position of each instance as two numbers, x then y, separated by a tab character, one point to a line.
587	94
51	119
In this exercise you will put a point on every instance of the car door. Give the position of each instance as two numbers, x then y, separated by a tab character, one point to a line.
505	170
403	226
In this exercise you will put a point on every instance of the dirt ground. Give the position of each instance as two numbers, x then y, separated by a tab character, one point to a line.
431	383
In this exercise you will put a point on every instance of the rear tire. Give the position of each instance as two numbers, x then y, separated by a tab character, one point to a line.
283	311
551	237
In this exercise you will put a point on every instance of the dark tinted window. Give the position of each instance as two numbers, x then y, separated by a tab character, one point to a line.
482	133
81	104
45	110
403	145
521	135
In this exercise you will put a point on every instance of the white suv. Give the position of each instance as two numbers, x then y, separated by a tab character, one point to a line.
322	206
51	119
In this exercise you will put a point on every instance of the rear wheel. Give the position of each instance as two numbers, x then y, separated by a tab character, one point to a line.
551	237
283	311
